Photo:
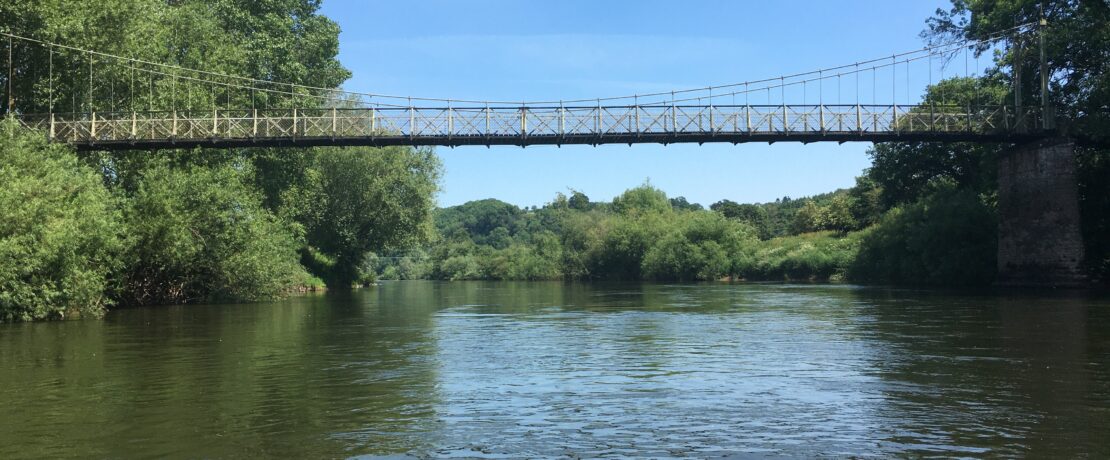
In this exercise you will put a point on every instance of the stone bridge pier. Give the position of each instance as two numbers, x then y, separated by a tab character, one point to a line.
1039	239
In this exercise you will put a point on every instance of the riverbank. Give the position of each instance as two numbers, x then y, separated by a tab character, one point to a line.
947	238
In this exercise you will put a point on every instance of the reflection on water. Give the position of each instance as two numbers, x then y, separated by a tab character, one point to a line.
547	369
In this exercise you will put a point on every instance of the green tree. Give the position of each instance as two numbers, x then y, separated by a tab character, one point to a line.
643	199
703	246
579	201
580	234
499	238
752	214
949	238
866	201
285	40
904	171
728	208
360	200
280	40
1075	39
1076	35
837	215
819	256
479	219
201	234
560	202
681	204
618	253
59	231
456	260
809	218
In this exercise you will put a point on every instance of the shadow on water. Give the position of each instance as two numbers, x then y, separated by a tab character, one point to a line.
1010	373
303	377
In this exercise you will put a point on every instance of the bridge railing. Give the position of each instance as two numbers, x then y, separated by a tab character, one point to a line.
439	125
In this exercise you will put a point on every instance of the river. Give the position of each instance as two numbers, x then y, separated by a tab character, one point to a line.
508	370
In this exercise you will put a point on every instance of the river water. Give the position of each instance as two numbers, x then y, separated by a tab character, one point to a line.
508	370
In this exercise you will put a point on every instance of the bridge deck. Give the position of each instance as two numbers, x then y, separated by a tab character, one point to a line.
530	125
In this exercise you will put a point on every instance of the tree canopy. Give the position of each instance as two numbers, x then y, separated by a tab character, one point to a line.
198	225
59	231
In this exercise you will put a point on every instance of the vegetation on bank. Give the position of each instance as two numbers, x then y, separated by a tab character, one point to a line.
82	232
201	234
75	239
59	231
945	238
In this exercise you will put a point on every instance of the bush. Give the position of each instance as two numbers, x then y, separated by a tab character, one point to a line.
460	268
643	199
819	256
410	265
201	234
539	260
354	201
59	231
948	237
623	243
703	247
521	262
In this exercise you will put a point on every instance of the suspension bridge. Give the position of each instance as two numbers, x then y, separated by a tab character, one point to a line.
96	100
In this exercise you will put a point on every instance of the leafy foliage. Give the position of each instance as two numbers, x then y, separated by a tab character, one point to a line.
947	238
752	214
835	215
644	199
59	231
622	243
490	239
479	220
904	171
819	256
703	246
579	201
1076	37
279	40
200	233
359	200
197	225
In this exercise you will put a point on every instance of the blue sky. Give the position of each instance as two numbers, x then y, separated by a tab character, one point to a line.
516	50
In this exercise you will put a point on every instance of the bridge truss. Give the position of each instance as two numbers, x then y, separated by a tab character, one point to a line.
533	125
